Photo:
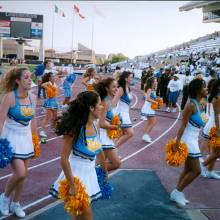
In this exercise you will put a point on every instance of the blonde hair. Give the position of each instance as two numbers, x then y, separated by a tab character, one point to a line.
9	80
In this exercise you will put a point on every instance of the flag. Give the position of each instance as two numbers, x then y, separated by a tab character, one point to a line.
59	11
98	12
77	11
76	8
81	16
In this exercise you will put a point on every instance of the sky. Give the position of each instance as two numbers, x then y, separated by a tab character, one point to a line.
130	27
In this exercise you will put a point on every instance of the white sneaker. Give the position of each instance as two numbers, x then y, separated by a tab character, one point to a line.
212	175
4	204
177	197
146	138
186	201
16	208
173	110
203	168
168	109
43	134
144	118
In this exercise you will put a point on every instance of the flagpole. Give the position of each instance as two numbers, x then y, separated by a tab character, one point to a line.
72	46
53	27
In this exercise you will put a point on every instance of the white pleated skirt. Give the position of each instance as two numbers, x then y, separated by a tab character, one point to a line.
107	143
191	138
146	110
20	138
84	169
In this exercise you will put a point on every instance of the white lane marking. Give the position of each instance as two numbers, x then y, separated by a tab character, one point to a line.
124	159
136	101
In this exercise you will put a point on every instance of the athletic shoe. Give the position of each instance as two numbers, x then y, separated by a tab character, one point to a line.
203	168
177	197
144	118
43	134
186	201
212	175
16	208
173	110
168	109
146	138
4	204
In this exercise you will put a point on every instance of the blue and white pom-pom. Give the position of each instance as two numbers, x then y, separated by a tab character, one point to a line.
106	187
5	152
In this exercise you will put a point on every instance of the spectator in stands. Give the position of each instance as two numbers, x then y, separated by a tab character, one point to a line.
174	88
158	75
164	81
212	80
186	82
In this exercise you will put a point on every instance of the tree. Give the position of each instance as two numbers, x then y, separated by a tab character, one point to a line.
118	58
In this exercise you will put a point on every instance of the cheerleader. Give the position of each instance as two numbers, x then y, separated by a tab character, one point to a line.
81	145
51	103
67	86
193	119
214	98
146	110
17	124
123	98
89	78
107	89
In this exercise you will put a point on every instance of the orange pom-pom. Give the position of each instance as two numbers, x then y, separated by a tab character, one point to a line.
90	88
154	106
176	158
212	132
159	101
36	141
74	204
214	141
115	133
51	91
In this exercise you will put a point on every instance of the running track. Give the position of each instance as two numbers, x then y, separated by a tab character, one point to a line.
203	193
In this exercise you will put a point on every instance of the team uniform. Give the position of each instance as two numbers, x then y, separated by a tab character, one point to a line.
123	109
191	133
51	103
146	110
82	162
67	85
17	128
107	143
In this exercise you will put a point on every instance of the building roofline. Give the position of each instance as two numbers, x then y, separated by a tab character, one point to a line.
196	4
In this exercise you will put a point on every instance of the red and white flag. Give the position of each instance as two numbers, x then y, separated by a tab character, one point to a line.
77	11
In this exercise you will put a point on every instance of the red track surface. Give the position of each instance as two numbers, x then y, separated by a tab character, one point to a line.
203	193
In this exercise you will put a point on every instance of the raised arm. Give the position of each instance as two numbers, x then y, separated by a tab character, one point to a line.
117	97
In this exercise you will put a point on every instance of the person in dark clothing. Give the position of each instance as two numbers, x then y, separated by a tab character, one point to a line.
212	80
158	75
185	90
164	81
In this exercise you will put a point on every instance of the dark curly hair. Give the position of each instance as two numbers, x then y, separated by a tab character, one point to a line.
214	90
195	86
76	117
122	80
46	77
102	85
